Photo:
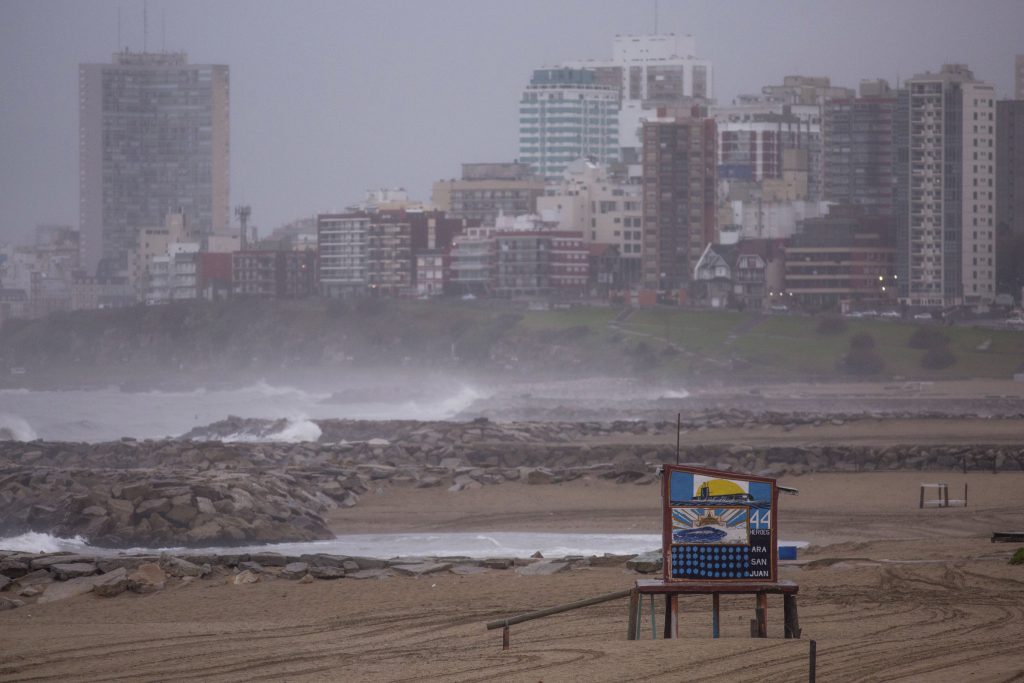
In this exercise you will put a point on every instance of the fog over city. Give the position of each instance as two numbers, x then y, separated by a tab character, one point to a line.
329	98
465	340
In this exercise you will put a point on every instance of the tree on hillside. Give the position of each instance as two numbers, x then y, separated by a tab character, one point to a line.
862	359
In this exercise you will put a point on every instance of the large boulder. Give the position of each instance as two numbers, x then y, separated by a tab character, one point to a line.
646	563
13	569
294	570
147	578
68	589
74	570
112	583
175	566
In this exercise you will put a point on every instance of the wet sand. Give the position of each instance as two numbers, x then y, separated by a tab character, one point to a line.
888	591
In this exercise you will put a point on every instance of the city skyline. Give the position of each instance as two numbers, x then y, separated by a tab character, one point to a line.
313	128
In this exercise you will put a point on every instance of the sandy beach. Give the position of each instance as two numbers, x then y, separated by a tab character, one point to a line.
888	591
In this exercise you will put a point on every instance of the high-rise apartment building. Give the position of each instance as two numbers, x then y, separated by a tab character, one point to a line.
679	198
658	69
650	71
565	115
946	189
780	117
857	150
153	139
1010	196
752	149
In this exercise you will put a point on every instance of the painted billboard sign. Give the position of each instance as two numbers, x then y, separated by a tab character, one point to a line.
718	526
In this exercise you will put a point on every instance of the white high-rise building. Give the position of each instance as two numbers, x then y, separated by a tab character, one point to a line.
650	71
946	191
564	114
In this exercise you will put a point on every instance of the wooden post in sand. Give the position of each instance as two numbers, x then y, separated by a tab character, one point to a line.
790	616
762	615
714	615
813	664
634	607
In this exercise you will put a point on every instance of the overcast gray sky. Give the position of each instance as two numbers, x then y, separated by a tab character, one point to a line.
329	98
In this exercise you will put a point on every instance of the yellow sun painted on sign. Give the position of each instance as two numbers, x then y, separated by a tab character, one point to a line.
719	487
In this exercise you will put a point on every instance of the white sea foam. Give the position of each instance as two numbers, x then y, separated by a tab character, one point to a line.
34	542
18	427
672	393
296	431
475	545
441	410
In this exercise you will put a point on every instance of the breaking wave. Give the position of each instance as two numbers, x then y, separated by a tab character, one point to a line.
295	431
442	410
35	542
16	428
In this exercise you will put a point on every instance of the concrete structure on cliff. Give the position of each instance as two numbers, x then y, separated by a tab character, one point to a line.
153	138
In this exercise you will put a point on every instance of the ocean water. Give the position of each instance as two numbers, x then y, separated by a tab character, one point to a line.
467	544
108	414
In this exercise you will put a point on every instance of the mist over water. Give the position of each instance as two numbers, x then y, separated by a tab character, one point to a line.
106	414
95	415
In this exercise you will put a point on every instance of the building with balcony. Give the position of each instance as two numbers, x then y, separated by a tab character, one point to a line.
389	261
535	262
342	250
273	274
472	262
679	198
946	194
603	207
858	152
565	114
845	256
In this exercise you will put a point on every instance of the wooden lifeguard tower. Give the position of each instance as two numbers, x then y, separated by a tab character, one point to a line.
719	536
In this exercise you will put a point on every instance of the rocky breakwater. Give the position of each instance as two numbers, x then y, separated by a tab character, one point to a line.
100	494
205	493
38	578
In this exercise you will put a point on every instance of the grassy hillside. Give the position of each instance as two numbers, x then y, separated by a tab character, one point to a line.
253	335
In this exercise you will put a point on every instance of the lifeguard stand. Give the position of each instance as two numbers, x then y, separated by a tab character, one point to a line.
719	535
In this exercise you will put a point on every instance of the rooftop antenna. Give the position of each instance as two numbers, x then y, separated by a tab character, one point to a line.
118	28
163	30
145	25
655	17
